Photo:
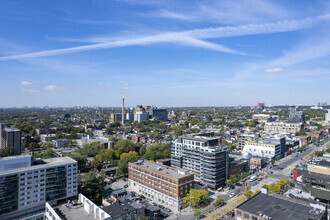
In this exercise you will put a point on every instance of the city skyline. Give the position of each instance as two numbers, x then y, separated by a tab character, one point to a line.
164	53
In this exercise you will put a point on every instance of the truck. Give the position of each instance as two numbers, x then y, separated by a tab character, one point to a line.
253	178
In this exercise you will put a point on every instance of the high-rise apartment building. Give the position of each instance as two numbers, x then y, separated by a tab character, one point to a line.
163	184
26	185
327	116
10	137
204	155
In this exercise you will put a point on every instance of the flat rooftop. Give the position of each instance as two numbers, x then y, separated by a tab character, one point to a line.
75	212
118	209
51	162
278	208
165	170
324	163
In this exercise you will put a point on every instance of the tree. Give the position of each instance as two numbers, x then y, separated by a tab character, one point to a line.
195	197
248	193
49	152
81	159
33	145
273	161
319	153
58	135
7	151
218	201
106	155
157	151
197	212
142	150
90	150
123	146
328	150
125	158
91	184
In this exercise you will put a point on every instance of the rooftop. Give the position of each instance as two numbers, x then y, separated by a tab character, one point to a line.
324	163
162	169
278	208
75	212
51	162
118	209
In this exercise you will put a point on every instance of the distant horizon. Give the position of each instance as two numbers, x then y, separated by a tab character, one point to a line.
129	106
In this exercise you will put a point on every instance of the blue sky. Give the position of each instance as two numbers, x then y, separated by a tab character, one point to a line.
164	53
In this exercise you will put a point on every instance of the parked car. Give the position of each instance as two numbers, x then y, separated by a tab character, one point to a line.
167	209
125	186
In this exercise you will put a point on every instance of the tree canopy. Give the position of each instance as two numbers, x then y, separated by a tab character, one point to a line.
91	184
195	197
125	158
157	151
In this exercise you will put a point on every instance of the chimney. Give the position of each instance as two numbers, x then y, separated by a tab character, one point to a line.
122	114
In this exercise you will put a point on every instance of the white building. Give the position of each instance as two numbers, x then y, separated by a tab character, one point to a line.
262	149
327	116
140	116
58	143
26	184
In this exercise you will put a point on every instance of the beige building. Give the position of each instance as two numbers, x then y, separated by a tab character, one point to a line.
283	127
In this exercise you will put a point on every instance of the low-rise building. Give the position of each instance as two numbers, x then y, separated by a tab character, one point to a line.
269	148
283	127
265	206
315	179
59	143
163	184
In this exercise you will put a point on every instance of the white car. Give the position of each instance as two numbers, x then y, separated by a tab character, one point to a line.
231	195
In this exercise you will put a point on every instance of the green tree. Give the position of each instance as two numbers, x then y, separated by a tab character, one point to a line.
58	135
123	146
92	184
125	158
197	212
81	159
90	150
157	151
328	150
218	201
6	152
195	197
248	193
319	153
49	152
106	155
142	150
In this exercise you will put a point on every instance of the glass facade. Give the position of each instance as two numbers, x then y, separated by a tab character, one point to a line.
8	193
56	183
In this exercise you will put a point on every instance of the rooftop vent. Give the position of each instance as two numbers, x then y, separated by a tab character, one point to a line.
159	168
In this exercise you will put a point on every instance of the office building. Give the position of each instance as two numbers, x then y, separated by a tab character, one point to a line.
26	184
116	117
283	127
163	184
140	116
10	137
266	206
159	114
296	116
204	155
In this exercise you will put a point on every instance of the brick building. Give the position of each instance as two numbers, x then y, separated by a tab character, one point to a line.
163	184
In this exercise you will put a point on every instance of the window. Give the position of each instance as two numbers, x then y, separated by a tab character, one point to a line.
239	213
254	218
246	216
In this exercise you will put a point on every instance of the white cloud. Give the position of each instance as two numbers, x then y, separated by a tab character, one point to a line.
30	90
274	70
26	83
51	87
187	38
172	15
